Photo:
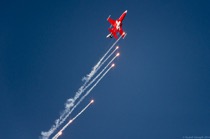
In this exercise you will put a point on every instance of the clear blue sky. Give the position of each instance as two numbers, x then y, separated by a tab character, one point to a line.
159	89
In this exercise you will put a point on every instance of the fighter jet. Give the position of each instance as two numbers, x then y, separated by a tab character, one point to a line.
116	26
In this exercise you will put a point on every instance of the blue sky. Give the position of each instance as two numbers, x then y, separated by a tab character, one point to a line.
159	88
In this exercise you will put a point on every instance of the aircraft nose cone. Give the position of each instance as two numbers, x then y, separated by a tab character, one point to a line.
126	11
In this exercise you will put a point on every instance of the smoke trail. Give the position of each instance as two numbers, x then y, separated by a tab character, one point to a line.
87	93
96	67
70	102
107	58
67	115
102	69
81	99
87	85
70	121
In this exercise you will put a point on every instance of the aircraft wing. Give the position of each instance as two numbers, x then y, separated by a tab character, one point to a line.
111	21
113	32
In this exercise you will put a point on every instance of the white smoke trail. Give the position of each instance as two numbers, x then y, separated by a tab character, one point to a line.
81	99
102	63
70	121
67	115
102	69
87	93
70	102
96	67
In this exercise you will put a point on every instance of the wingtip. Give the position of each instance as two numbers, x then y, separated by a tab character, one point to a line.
126	11
108	17
124	35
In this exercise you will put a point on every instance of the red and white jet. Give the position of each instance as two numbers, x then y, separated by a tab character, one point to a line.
116	26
